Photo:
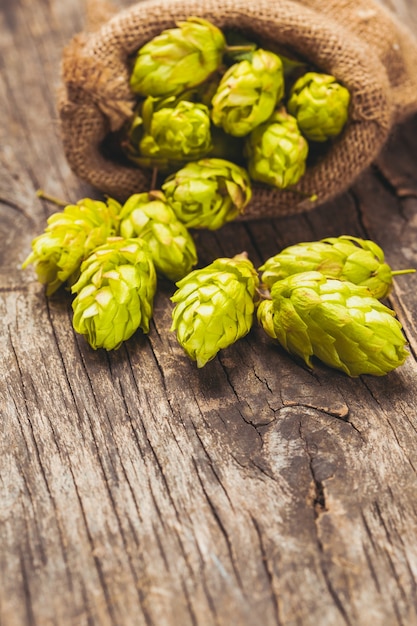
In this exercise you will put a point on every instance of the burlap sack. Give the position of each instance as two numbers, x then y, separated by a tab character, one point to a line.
358	41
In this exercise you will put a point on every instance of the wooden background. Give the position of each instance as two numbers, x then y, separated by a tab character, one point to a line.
136	489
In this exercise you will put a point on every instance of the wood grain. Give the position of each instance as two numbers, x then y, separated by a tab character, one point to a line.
136	489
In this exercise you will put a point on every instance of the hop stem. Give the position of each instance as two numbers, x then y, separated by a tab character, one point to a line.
45	196
242	48
242	256
400	272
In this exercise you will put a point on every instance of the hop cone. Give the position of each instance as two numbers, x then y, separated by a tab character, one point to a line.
277	151
248	93
336	321
208	193
320	105
114	293
178	59
149	216
359	261
69	238
214	307
173	134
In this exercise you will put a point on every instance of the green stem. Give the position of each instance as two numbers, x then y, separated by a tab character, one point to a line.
242	48
400	272
45	196
240	52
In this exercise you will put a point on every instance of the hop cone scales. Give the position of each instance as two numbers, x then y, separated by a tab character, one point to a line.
359	261
248	93
214	307
208	193
168	134
178	59
149	216
276	151
336	321
69	237
115	293
320	105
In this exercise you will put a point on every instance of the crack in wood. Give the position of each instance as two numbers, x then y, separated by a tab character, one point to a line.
27	595
397	185
318	498
341	412
16	207
320	508
221	526
96	559
388	554
268	571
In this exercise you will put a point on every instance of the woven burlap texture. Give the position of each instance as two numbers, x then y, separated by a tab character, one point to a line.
359	42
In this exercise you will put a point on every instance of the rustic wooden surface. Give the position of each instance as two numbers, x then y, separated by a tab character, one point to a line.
135	489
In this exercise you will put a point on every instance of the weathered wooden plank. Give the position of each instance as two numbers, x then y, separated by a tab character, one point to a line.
136	489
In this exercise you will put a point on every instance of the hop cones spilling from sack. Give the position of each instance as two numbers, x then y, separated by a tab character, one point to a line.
109	255
317	299
364	58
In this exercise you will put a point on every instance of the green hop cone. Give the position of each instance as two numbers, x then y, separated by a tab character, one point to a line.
178	59
149	216
320	104
277	151
248	93
69	237
359	261
115	293
169	135
214	307
208	193
336	321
